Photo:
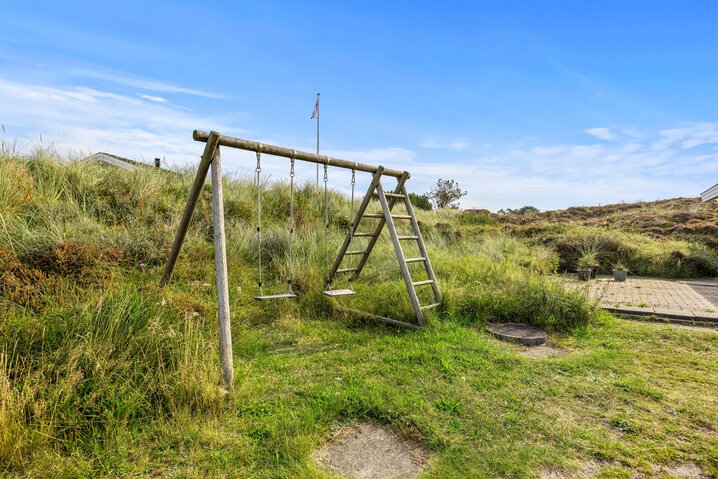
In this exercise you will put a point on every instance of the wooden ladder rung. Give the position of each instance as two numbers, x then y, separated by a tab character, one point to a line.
347	270
392	195
422	283
381	215
407	238
431	306
355	252
364	235
414	260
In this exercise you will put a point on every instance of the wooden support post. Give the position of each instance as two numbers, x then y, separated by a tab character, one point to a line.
220	259
212	141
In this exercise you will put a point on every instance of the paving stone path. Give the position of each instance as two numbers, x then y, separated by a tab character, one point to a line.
693	301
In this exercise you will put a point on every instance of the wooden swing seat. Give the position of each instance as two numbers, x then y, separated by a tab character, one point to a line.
275	296
339	292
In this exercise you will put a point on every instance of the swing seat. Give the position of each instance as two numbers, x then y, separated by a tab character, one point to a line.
275	296
339	292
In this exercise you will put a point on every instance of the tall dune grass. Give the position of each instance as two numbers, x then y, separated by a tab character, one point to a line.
90	346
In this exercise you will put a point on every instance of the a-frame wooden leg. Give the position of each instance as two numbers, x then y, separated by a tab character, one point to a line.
380	226
422	247
355	222
400	255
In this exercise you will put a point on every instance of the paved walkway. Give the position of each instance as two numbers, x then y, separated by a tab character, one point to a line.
693	301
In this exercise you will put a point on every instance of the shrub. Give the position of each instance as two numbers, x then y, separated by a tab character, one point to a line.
524	210
421	201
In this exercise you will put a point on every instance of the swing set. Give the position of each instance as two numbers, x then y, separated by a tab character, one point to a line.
388	200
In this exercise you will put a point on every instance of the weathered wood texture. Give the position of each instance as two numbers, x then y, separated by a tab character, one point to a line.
199	180
422	247
290	153
400	256
379	226
220	259
355	223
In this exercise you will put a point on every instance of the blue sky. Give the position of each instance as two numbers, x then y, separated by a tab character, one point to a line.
551	103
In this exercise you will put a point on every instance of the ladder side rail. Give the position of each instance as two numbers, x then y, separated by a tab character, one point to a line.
422	246
360	212
400	256
379	227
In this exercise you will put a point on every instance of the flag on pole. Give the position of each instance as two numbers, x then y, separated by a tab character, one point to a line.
315	114
316	109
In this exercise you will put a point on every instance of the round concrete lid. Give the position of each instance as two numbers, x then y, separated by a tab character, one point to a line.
518	333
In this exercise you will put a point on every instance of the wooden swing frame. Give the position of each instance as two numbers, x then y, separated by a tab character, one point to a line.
211	159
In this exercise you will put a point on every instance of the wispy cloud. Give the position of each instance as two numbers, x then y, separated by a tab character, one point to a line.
140	82
388	155
678	160
601	133
688	136
87	119
450	145
557	175
156	99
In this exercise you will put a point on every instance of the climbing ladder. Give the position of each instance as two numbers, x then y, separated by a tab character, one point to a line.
386	218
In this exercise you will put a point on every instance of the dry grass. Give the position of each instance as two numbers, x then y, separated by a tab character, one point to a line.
104	374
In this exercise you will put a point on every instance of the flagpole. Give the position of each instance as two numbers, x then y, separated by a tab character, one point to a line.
317	138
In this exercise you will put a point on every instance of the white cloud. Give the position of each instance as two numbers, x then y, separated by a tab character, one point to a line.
677	161
86	119
376	156
688	136
450	145
156	99
601	133
140	82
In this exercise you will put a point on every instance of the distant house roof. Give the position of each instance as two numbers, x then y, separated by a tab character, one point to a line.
710	194
118	161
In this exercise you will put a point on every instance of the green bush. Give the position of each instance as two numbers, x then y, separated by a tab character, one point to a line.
421	201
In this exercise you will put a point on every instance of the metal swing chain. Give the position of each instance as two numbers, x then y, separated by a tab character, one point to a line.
326	227
291	222
351	225
258	170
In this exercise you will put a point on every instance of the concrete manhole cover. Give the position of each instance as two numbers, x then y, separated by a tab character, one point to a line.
369	451
518	333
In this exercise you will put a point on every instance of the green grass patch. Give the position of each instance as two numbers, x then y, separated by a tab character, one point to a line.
103	374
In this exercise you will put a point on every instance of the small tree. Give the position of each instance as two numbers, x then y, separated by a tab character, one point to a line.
423	202
446	194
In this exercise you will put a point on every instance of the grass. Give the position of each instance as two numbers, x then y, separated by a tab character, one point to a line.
104	374
669	238
641	254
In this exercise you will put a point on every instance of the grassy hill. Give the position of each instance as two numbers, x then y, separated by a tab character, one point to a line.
685	218
676	238
102	373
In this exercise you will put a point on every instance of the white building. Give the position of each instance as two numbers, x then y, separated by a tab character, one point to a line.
710	194
119	162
